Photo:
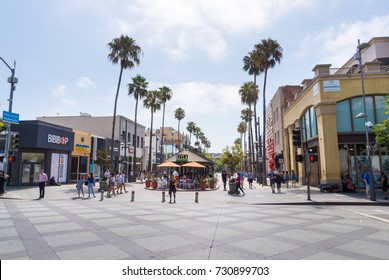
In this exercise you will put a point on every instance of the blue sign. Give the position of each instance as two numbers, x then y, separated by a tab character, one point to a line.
10	117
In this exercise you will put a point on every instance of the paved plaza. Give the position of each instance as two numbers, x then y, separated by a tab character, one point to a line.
259	225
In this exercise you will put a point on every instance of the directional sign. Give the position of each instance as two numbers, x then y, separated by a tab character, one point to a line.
10	117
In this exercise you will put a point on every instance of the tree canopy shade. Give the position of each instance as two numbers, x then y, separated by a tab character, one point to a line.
232	157
123	50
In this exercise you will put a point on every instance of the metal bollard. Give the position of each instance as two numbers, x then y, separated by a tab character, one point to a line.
102	195
163	197
197	197
132	196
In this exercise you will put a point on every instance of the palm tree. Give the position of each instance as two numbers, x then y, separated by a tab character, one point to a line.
241	130
249	94
138	89
179	114
123	50
253	67
165	95
266	54
190	127
246	115
242	127
152	102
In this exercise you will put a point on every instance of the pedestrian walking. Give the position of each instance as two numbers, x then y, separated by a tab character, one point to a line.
250	178
272	178
278	180
3	179
294	178
241	174
80	186
224	178
123	181
91	184
238	185
112	182
384	184
366	182
42	183
142	176
172	189
286	179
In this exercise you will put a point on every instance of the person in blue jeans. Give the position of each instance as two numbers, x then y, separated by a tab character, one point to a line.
250	178
91	184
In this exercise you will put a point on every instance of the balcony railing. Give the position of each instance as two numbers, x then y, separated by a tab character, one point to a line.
354	70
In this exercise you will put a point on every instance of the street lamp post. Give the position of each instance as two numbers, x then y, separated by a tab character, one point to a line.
363	115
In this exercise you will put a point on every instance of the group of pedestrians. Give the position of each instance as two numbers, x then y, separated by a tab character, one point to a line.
116	184
88	181
277	178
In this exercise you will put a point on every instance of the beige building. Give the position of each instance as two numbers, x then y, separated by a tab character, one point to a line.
326	111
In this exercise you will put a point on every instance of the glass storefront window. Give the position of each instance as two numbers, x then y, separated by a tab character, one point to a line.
313	122
357	107
380	108
33	157
309	123
343	121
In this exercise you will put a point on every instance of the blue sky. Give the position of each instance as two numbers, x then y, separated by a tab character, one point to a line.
194	47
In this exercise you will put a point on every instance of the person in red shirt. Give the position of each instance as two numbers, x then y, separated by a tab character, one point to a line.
238	185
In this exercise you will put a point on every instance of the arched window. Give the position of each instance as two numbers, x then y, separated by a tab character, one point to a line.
309	123
347	110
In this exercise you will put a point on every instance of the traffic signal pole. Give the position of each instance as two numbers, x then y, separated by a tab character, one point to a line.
298	143
307	167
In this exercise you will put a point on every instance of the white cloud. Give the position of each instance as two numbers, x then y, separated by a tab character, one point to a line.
337	44
85	83
59	91
184	27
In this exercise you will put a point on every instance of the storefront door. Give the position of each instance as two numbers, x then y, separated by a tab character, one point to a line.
30	172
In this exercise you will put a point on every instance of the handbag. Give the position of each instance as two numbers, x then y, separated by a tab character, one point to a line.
86	183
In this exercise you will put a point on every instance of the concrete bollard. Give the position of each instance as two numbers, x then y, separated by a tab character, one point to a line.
102	195
197	197
132	196
163	197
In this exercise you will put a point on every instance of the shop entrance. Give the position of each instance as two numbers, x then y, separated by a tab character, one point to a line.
30	172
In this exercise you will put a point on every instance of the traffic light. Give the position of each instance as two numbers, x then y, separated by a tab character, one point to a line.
297	137
14	141
11	158
313	158
300	158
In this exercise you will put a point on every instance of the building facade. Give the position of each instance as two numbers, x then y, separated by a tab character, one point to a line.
42	146
325	111
124	142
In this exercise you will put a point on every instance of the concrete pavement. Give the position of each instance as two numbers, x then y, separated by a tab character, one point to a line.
259	225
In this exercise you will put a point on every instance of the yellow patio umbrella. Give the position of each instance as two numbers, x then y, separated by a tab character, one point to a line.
168	164
193	164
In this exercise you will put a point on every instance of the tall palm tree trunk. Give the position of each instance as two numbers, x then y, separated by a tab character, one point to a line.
114	118
163	124
264	132
255	127
134	144
178	137
150	143
250	141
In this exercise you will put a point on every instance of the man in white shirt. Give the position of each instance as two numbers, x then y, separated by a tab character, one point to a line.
42	183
